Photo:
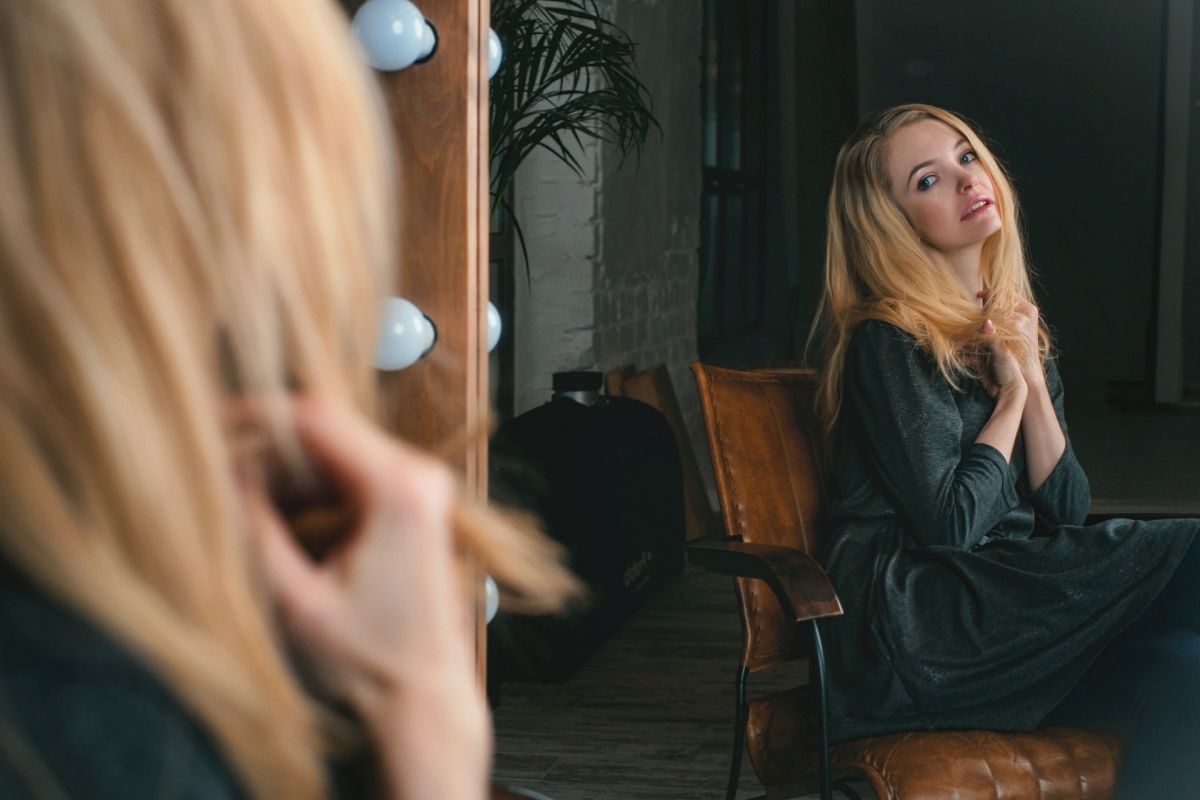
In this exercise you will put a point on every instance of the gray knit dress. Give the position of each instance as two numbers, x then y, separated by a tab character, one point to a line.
971	601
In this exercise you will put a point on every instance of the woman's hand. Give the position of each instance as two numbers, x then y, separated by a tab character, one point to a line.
1005	383
1040	428
383	621
1025	321
1005	373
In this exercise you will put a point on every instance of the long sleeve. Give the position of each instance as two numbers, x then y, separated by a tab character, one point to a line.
85	717
947	494
100	739
1065	496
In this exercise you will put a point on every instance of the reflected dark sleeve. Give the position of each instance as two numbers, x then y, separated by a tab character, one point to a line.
912	432
1065	497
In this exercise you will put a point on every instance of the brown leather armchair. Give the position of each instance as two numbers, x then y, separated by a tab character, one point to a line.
765	442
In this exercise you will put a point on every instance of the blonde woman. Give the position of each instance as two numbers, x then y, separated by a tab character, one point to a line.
974	595
194	232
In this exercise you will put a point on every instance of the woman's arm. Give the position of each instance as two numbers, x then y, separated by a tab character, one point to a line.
912	431
1063	497
1001	429
1041	433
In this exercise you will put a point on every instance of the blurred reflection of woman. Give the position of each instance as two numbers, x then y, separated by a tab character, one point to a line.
194	234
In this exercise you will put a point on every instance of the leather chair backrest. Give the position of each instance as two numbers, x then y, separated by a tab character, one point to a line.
764	438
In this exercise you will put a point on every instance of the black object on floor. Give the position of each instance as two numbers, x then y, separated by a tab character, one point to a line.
604	476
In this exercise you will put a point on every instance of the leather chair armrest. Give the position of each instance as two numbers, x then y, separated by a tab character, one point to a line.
797	579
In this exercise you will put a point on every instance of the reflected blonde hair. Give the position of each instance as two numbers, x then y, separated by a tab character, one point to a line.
194	195
876	266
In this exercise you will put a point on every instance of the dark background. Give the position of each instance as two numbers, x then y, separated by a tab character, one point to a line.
1069	92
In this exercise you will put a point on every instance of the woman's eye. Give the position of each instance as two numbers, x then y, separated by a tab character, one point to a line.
926	182
968	156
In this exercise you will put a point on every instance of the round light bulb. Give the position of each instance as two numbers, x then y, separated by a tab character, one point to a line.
494	327
405	335
495	53
393	33
493	597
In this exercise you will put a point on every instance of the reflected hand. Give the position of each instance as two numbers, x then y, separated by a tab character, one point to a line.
1004	372
1025	320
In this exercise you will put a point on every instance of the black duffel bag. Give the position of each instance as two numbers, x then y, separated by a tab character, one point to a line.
603	475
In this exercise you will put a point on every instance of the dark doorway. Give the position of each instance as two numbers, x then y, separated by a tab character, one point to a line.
779	97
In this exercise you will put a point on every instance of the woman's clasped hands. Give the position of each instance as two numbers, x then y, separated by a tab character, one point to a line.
1007	372
1004	371
1025	321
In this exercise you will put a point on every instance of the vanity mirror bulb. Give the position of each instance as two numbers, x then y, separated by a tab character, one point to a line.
405	335
393	34
493	596
494	327
495	53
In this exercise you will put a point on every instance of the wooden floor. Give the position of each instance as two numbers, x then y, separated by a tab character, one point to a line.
648	717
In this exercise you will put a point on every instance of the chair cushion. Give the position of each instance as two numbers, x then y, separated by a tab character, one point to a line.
1048	764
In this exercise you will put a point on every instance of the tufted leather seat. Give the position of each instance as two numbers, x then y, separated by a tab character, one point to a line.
764	441
1049	764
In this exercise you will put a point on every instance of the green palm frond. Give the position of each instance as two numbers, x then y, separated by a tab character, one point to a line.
567	74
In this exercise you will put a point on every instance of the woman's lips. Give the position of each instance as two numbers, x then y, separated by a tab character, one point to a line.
978	206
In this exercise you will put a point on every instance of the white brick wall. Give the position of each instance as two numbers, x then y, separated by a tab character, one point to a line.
614	256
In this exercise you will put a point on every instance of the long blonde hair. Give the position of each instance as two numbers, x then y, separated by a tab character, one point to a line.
876	266
194	195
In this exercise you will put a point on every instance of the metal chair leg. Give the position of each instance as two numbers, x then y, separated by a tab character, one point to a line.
740	714
826	768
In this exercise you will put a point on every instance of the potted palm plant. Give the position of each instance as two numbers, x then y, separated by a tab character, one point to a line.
567	73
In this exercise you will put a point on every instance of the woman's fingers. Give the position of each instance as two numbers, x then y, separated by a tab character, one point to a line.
386	601
289	572
388	485
396	543
339	438
375	467
1025	318
382	624
344	445
1004	368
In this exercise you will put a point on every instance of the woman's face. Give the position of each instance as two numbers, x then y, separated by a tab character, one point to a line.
941	186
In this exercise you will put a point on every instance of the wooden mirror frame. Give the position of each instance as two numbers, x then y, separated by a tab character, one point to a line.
439	110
